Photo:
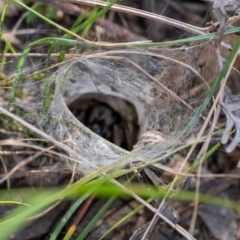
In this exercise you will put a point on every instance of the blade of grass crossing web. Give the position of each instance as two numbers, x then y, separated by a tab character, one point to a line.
53	41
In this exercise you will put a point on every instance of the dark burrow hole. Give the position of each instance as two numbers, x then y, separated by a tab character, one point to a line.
110	117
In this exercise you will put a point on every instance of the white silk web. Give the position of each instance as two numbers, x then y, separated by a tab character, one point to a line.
158	83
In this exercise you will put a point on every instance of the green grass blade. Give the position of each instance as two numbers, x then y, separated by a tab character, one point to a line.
88	23
100	213
20	66
3	14
21	4
69	213
8	44
88	26
74	29
214	88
